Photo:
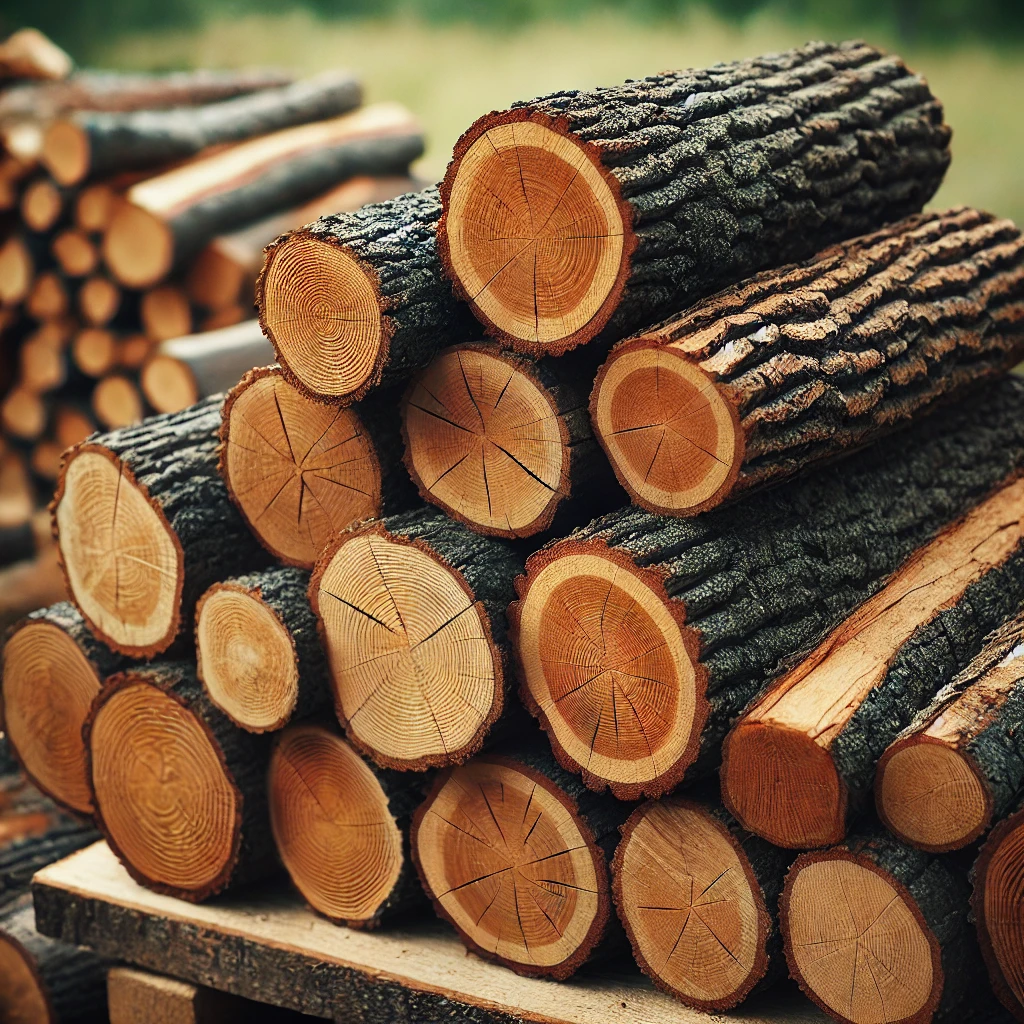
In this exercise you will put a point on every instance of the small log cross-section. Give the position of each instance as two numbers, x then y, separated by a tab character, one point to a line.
998	906
179	791
499	442
877	931
514	853
301	471
144	525
258	652
358	299
698	896
341	827
53	668
412	618
614	207
807	362
959	765
639	637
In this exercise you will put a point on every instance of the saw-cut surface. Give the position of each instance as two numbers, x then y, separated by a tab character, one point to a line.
117	403
22	1000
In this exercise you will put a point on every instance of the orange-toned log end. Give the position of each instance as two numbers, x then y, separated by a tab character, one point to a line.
138	247
298	470
41	205
166	313
691	905
418	680
246	658
16	271
123	564
485	442
333	827
22	997
534	233
23	414
117	403
998	904
168	384
321	309
673	439
75	253
94	351
857	943
609	668
98	300
216	280
506	860
65	152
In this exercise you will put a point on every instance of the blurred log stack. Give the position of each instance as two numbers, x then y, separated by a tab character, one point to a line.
239	568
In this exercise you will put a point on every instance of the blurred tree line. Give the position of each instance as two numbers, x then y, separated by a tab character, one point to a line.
83	25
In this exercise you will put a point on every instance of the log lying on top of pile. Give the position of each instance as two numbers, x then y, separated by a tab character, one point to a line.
690	618
586	211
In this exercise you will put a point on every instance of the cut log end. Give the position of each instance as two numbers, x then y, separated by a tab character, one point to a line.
608	667
117	403
505	858
534	233
856	941
94	207
417	678
41	205
48	687
94	351
484	441
299	471
65	152
332	825
691	905
166	801
138	247
672	438
166	313
320	307
22	998
23	414
168	384
75	253
123	564
247	659
99	300
16	272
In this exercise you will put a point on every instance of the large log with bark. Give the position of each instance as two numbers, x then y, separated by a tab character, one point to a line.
198	822
640	637
959	765
810	361
168	220
341	825
357	300
596	212
412	617
698	896
144	525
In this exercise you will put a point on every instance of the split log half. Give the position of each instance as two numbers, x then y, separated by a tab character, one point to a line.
99	301
48	298
144	525
808	362
28	53
43	204
75	253
698	896
341	826
412	618
301	472
358	300
258	652
513	853
53	668
503	443
165	313
800	762
92	144
605	210
167	220
200	823
998	906
639	638
959	765
17	270
117	402
878	931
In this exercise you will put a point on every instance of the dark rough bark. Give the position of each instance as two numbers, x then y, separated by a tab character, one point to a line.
744	165
381	419
17	543
24	856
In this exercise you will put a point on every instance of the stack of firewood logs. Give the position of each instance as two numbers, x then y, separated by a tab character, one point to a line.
778	679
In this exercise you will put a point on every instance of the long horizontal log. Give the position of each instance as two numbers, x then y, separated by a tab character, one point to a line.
27	53
805	363
598	212
167	220
640	637
959	765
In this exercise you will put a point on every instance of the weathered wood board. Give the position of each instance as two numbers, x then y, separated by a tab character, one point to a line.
267	946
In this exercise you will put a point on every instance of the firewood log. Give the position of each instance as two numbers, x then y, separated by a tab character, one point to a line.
810	361
94	351
166	312
411	612
358	300
49	297
598	211
17	270
74	253
99	301
23	414
167	220
43	356
341	825
144	525
200	823
132	352
22	857
640	637
28	53
44	204
117	402
94	207
960	764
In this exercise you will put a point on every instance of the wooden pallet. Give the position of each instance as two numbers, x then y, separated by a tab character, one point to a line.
269	947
